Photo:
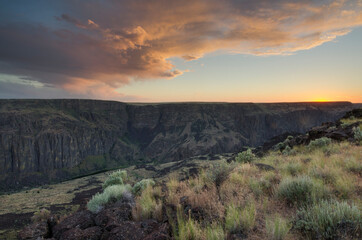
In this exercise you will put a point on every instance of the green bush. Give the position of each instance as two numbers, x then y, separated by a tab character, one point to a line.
288	151
240	219
245	156
301	190
142	185
330	220
110	194
280	146
277	228
319	143
357	134
119	173
115	178
112	181
115	192
97	202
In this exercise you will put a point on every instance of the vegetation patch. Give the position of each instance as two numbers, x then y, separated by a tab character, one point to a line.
301	190
329	220
277	228
319	143
245	156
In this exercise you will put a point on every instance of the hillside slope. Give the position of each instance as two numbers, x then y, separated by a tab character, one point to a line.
44	140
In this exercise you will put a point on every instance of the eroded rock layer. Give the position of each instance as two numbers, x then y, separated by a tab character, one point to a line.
52	140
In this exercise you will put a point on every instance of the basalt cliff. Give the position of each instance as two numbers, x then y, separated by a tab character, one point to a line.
52	140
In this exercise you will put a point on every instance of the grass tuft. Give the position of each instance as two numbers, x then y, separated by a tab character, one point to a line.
277	228
240	219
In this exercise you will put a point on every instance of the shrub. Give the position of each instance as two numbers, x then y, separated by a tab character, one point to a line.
116	192
288	151
300	190
329	220
357	134
280	146
119	173
112	181
97	202
240	219
115	178
142	185
110	194
319	143
245	156
277	228
41	215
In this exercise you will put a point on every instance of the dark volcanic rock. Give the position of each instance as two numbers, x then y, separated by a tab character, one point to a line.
356	113
112	217
150	230
81	220
35	231
92	233
53	140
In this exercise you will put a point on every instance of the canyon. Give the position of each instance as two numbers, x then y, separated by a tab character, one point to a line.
43	141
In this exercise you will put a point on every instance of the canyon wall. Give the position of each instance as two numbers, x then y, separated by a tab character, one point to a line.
52	140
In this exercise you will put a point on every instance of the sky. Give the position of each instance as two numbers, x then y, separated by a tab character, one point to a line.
178	51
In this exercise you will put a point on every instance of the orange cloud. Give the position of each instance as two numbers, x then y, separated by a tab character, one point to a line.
103	45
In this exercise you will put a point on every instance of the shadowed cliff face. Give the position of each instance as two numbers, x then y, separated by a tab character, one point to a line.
42	140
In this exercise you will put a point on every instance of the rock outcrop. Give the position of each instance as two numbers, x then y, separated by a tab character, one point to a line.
113	222
53	140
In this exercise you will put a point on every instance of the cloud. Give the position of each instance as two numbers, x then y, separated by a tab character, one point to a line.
99	46
24	87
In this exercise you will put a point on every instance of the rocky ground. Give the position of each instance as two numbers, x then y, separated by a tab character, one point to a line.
64	198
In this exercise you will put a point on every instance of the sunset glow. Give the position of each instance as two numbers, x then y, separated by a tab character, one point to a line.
176	51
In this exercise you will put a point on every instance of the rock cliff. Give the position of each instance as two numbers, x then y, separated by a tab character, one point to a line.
52	140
